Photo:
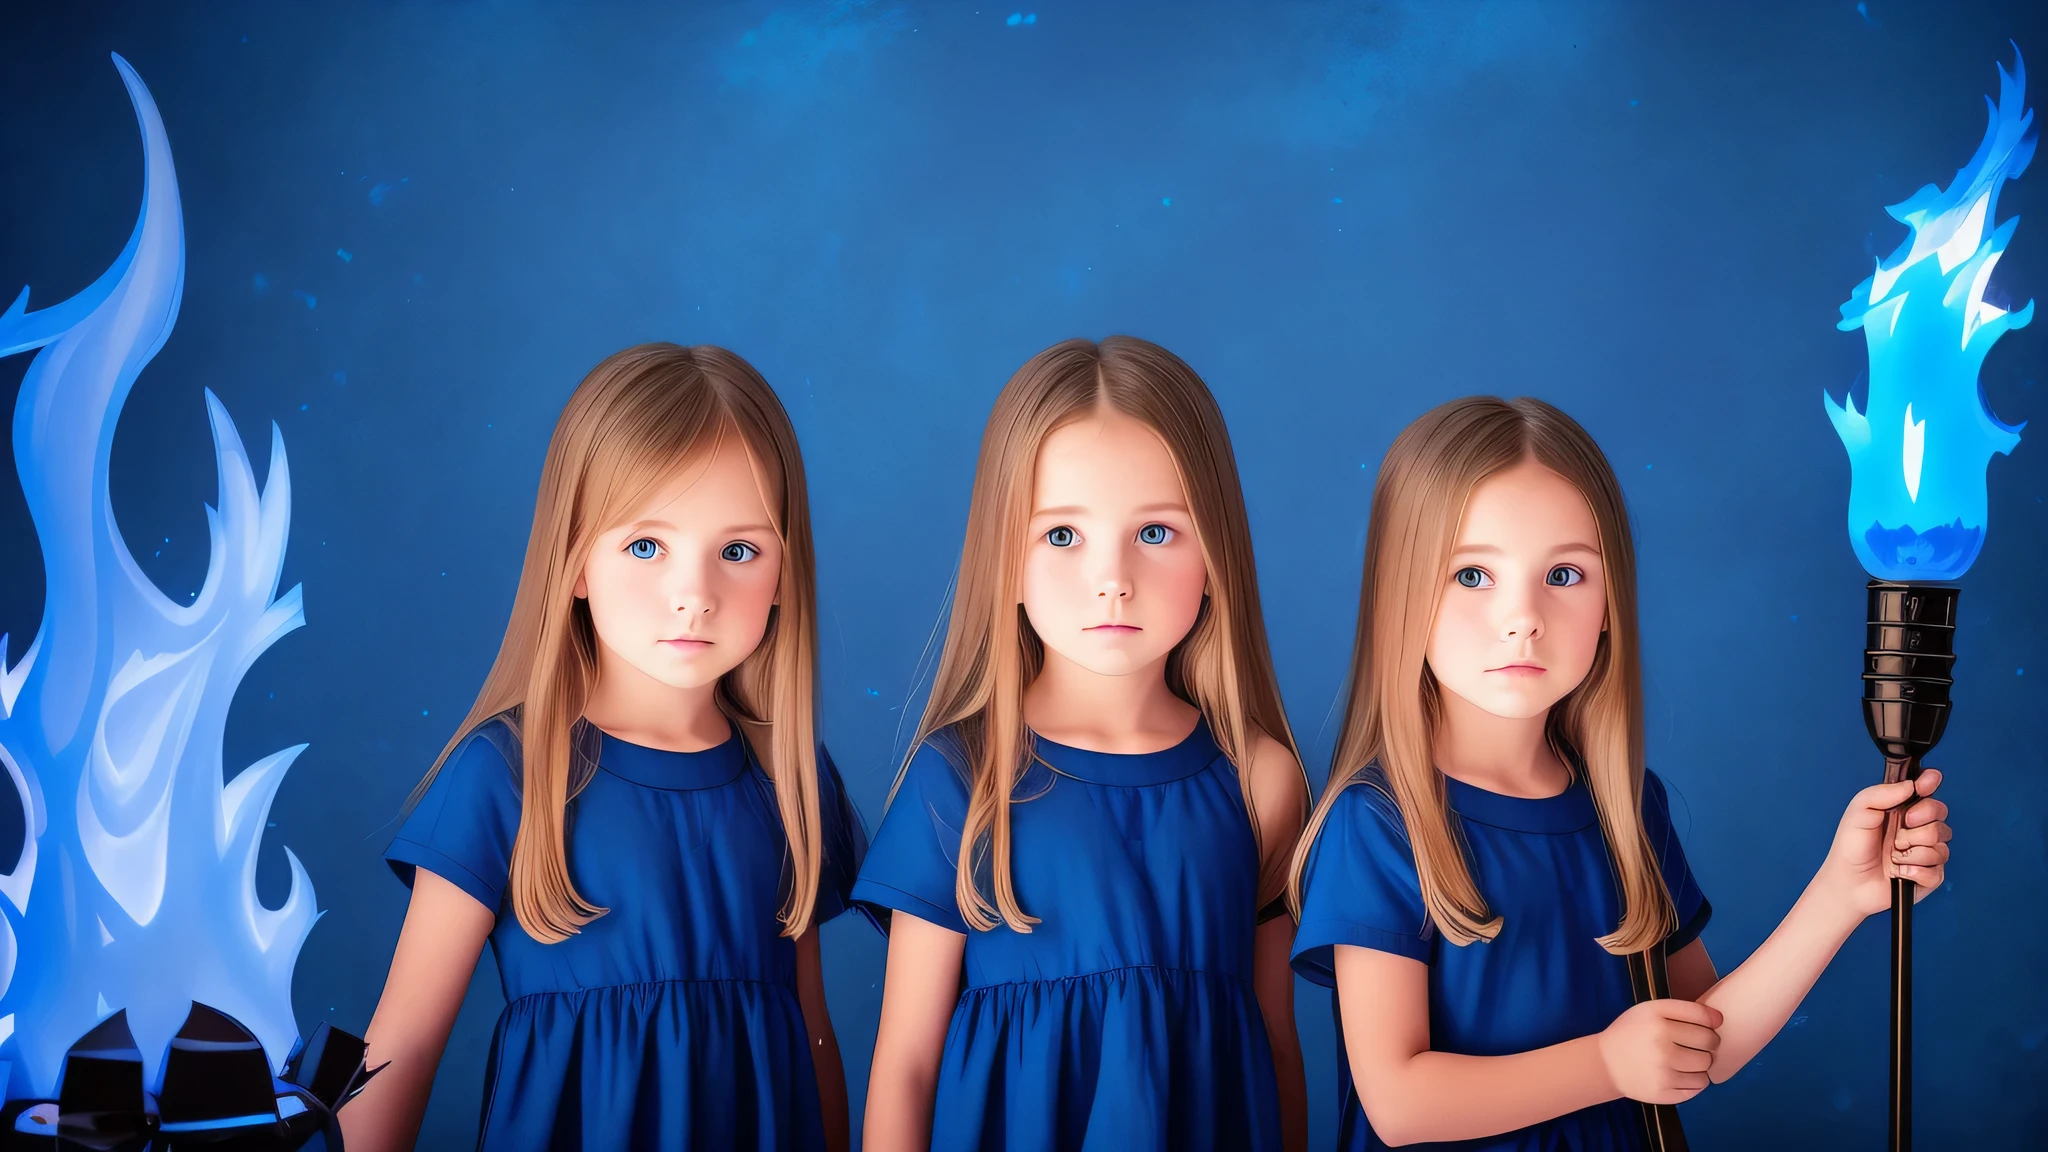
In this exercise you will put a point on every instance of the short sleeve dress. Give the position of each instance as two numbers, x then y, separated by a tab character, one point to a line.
671	1021
1543	867
1125	1020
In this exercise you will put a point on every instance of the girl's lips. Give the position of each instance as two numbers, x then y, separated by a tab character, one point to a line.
684	644
1521	669
1114	628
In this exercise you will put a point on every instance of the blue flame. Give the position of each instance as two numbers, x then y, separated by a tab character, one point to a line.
136	884
1918	452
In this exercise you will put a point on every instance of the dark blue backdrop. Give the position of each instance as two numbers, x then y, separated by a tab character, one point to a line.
412	228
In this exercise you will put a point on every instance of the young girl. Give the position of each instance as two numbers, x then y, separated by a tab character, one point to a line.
634	812
1491	848
1086	854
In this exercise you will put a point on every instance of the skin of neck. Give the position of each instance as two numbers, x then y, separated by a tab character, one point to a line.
1503	754
635	707
1132	713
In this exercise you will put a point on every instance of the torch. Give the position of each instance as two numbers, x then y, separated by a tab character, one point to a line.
1917	458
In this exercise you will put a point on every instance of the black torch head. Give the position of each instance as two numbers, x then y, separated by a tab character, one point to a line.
1908	663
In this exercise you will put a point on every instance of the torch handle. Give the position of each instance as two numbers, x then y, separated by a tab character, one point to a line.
1902	1016
1650	977
1902	974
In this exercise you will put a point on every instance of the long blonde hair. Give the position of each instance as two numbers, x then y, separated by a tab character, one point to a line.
1418	503
636	421
991	653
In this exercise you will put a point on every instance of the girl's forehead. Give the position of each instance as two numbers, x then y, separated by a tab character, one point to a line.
1527	503
1108	459
717	476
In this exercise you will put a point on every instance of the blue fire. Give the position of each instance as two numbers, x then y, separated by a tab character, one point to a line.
136	883
1918	452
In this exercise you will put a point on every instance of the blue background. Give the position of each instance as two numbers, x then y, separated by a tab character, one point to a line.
1341	214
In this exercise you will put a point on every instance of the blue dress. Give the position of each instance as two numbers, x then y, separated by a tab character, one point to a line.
1125	1020
1543	867
672	1021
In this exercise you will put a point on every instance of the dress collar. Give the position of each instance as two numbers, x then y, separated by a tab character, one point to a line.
1131	770
1569	811
677	771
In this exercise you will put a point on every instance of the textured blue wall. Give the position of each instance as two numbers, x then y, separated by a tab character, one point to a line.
412	228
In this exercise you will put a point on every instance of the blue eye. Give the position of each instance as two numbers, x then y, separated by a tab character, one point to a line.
739	552
644	548
1473	578
1563	576
1060	537
1155	534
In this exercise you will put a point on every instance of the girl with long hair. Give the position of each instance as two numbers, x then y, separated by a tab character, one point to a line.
1085	855
1491	849
635	812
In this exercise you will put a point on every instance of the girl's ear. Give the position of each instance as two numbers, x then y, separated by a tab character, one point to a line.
582	591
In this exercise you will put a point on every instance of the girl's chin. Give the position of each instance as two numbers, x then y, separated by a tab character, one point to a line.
1520	709
685	673
1108	659
1510	704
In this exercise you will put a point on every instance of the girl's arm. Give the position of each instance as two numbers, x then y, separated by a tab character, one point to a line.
919	991
1855	881
1280	798
1691	971
810	992
1273	980
444	933
1658	1051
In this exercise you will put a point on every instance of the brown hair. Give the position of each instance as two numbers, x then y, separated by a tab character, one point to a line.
991	653
1418	503
632	425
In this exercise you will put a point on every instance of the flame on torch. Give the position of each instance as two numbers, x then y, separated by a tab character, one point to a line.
1918	451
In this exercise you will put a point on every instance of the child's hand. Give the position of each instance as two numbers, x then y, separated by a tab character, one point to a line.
1659	1051
1874	844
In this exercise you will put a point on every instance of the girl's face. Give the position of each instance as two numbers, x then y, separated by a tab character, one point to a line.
681	591
1525	596
1113	572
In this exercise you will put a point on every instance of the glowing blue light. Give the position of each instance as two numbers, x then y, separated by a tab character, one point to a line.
1918	451
136	886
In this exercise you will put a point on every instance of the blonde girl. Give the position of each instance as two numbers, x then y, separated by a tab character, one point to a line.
635	812
1085	855
1491	848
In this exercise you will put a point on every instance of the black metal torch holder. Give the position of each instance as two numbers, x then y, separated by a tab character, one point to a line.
1909	659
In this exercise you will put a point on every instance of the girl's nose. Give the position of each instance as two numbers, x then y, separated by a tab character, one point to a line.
689	592
1113	582
1521	623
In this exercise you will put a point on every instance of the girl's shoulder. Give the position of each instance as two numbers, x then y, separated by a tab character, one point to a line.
1656	807
1667	832
1365	806
941	765
830	783
484	762
1274	770
464	825
1359	884
843	841
842	817
936	780
1363	823
1655	792
494	742
494	748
